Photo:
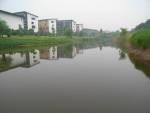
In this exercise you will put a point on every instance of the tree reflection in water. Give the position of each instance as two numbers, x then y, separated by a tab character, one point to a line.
122	55
4	62
140	65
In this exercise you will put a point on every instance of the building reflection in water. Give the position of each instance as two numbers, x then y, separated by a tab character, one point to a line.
56	52
67	51
49	54
32	58
28	59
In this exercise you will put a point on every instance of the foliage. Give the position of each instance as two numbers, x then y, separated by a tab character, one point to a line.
4	29
22	32
68	32
141	39
106	38
124	31
141	26
4	62
36	41
89	32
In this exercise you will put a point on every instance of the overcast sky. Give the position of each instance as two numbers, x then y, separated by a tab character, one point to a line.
106	14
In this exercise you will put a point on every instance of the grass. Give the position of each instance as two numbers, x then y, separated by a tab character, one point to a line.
29	43
141	39
36	41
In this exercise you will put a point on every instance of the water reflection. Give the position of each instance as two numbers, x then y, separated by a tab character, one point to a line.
32	58
49	54
96	78
122	55
140	65
29	59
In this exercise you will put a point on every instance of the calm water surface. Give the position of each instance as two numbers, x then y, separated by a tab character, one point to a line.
72	80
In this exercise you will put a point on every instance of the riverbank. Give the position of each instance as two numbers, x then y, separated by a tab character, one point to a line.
29	43
139	54
16	41
137	44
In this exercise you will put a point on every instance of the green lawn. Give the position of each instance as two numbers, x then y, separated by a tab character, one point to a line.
36	41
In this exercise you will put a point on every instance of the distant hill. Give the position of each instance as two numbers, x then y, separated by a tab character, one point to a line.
90	32
107	38
145	25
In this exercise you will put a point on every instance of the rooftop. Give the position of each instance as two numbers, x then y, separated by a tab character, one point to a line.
48	19
27	13
67	20
9	13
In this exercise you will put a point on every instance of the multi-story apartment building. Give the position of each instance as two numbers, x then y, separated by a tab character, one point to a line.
79	27
30	20
48	26
63	24
12	20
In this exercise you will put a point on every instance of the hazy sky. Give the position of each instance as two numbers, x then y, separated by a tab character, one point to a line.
106	14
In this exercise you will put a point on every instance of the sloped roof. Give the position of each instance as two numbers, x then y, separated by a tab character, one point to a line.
9	13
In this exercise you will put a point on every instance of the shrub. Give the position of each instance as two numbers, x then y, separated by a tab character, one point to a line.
68	32
141	39
4	29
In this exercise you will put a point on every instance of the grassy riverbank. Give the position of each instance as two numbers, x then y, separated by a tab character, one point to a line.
141	39
36	41
137	43
29	43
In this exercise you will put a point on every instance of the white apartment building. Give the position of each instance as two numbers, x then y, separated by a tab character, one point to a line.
73	26
48	26
79	27
30	20
53	26
12	20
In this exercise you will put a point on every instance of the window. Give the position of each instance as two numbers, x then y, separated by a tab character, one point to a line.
52	21
33	18
20	27
33	27
32	22
53	29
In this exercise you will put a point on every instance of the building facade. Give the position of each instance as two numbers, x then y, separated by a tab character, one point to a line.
48	26
65	24
30	20
79	27
13	21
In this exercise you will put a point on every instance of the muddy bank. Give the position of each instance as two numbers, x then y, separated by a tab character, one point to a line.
140	64
140	58
140	54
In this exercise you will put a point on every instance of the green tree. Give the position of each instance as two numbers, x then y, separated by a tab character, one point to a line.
4	29
145	25
124	31
68	32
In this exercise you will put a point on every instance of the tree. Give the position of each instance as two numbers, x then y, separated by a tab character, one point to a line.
124	31
68	32
145	25
4	29
101	30
30	31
